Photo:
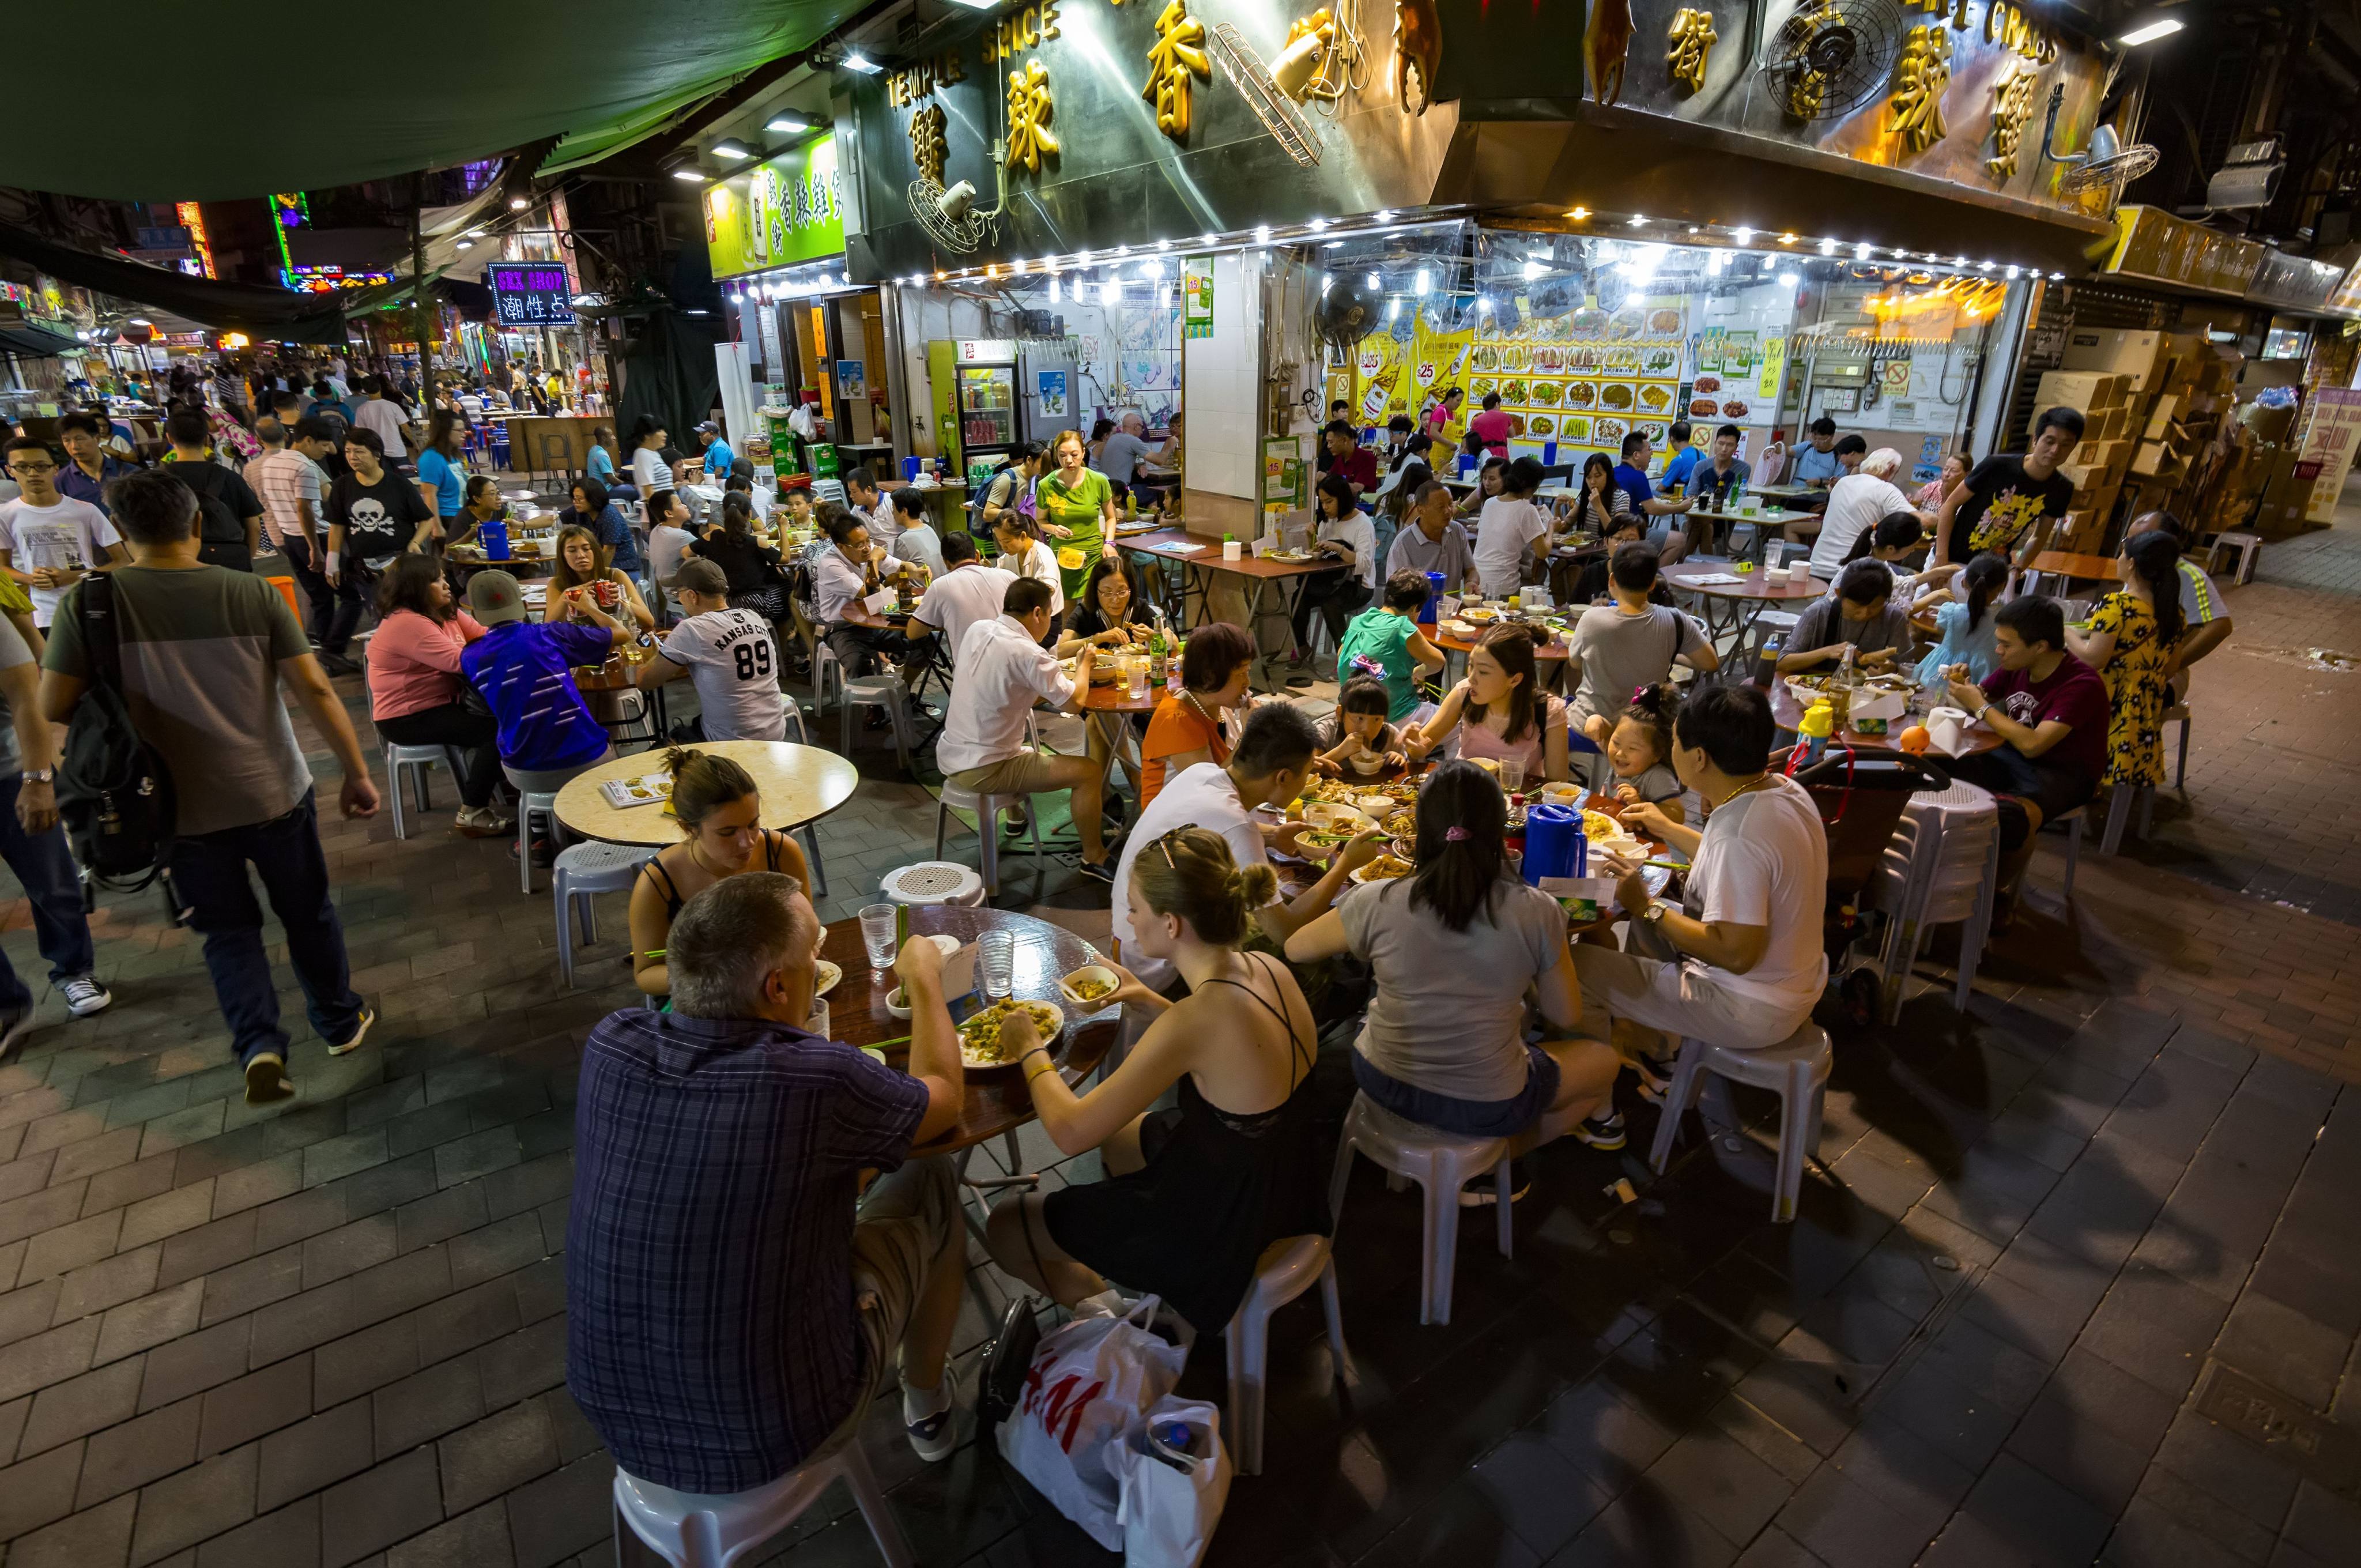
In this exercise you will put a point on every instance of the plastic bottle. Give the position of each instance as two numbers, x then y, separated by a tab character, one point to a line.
1819	722
1766	671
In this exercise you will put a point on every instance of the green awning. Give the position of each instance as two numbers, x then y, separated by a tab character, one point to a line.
437	84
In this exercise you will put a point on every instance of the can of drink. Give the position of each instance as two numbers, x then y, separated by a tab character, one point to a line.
606	593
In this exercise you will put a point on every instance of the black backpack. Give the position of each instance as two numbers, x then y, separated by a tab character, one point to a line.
220	537
114	791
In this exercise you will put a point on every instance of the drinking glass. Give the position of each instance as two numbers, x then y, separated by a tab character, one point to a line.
1136	668
877	935
1512	776
995	964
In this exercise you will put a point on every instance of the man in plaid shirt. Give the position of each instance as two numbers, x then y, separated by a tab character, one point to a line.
291	484
735	1301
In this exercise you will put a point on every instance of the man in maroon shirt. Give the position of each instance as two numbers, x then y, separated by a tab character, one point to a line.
2050	711
1348	457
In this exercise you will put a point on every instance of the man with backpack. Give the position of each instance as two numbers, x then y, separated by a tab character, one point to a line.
202	693
229	514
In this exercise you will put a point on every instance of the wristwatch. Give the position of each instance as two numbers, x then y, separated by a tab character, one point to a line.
39	775
1657	910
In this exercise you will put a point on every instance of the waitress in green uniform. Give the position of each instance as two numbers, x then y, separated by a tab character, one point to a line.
1075	506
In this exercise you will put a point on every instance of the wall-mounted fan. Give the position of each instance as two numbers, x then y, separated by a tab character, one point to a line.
949	216
1347	310
1247	73
1830	56
2105	166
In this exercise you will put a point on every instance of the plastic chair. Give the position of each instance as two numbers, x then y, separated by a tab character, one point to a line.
1942	866
2073	820
1440	1163
874	691
1287	1269
2177	714
700	1530
987	810
528	803
2249	547
2121	799
581	871
932	882
1797	1069
419	760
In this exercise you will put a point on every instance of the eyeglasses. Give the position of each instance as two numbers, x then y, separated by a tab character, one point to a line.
20	466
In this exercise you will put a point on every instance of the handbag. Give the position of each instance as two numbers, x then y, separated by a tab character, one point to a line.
1005	1362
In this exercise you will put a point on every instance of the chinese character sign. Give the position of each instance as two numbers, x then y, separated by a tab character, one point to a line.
927	148
1689	43
2011	106
1919	78
1029	106
1174	58
530	294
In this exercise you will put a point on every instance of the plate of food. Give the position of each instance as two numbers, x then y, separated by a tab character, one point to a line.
1482	386
1664	323
1574	427
1581	394
824	976
1089	986
1615	395
1402	824
1335	817
1734	409
1547	358
1707	383
1561	793
1704	408
1548	394
1652	429
1626	323
1513	358
980	1037
1540	424
1385	868
1603	430
1588	322
1659	362
1486	358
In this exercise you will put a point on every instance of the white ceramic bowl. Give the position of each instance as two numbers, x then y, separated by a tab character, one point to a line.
1099	972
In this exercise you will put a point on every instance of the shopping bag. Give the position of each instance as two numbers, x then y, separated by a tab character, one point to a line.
1091	1380
1175	1476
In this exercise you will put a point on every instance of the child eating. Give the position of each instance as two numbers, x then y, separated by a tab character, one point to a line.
1359	724
1635	763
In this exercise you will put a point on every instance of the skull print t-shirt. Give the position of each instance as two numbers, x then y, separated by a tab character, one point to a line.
2003	502
379	518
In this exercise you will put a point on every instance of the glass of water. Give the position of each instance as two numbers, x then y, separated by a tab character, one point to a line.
1136	669
877	927
1512	776
995	964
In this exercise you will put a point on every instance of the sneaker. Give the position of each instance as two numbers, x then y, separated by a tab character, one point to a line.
1485	1193
266	1080
14	1026
1605	1133
337	665
933	1434
484	822
1099	871
360	1032
1655	1080
84	997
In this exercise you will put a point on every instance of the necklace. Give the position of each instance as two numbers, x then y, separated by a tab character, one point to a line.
1758	781
705	865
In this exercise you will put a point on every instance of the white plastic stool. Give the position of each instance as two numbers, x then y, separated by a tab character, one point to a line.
987	810
581	871
1796	1068
2249	547
2073	820
708	1530
529	802
1287	1269
2178	713
1442	1163
1942	866
874	691
932	882
419	760
2121	799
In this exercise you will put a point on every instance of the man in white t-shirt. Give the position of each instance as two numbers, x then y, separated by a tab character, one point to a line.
1740	962
728	656
985	749
1270	767
49	541
1856	502
967	591
383	415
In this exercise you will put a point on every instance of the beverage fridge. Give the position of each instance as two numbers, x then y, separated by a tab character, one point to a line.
976	405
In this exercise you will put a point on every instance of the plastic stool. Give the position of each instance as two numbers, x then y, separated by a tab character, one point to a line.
419	760
2121	799
2073	820
1796	1068
874	691
2178	713
2249	547
987	810
529	802
715	1530
932	882
582	870
1287	1269
1442	1163
1942	866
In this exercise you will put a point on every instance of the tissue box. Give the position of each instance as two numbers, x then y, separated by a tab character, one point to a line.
1583	898
1878	705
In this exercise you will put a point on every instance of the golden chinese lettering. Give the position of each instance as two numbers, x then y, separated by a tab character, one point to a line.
1691	40
927	145
1176	55
1029	107
2011	106
904	88
1919	78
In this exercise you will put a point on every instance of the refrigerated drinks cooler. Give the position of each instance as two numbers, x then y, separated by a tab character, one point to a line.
989	395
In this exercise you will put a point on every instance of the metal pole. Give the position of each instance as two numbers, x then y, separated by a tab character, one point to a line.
418	292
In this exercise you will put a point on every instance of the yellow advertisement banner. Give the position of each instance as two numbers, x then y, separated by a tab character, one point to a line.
1774	365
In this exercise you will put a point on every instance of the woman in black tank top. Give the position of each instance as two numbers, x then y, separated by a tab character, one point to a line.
720	812
1195	1193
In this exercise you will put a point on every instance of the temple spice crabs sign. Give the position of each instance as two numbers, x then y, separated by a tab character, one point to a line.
530	294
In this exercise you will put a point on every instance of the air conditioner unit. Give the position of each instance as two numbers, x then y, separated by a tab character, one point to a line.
2249	179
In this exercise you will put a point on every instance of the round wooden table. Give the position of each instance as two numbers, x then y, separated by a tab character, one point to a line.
997	1101
799	783
1786	713
1730	608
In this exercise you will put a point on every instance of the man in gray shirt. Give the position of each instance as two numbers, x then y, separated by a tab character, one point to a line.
1122	453
1433	540
1618	648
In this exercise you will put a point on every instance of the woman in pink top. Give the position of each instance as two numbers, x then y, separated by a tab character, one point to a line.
1498	713
417	695
1955	473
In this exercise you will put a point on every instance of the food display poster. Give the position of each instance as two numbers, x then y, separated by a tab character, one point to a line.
1585	379
1197	297
2331	434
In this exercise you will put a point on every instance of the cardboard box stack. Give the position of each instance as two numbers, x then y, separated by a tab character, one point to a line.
2155	434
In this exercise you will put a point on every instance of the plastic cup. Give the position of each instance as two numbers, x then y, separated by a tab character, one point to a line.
1512	776
877	924
995	964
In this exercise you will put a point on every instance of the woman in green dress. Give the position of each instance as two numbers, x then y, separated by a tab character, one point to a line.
1075	506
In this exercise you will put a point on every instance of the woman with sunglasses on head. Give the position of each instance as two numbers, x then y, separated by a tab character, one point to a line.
1195	1194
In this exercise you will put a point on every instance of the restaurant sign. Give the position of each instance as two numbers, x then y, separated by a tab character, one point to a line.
530	294
2155	245
786	209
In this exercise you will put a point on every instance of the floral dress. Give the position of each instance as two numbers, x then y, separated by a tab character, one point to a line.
2137	694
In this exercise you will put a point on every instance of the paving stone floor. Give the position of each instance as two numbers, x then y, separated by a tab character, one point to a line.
2046	1238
